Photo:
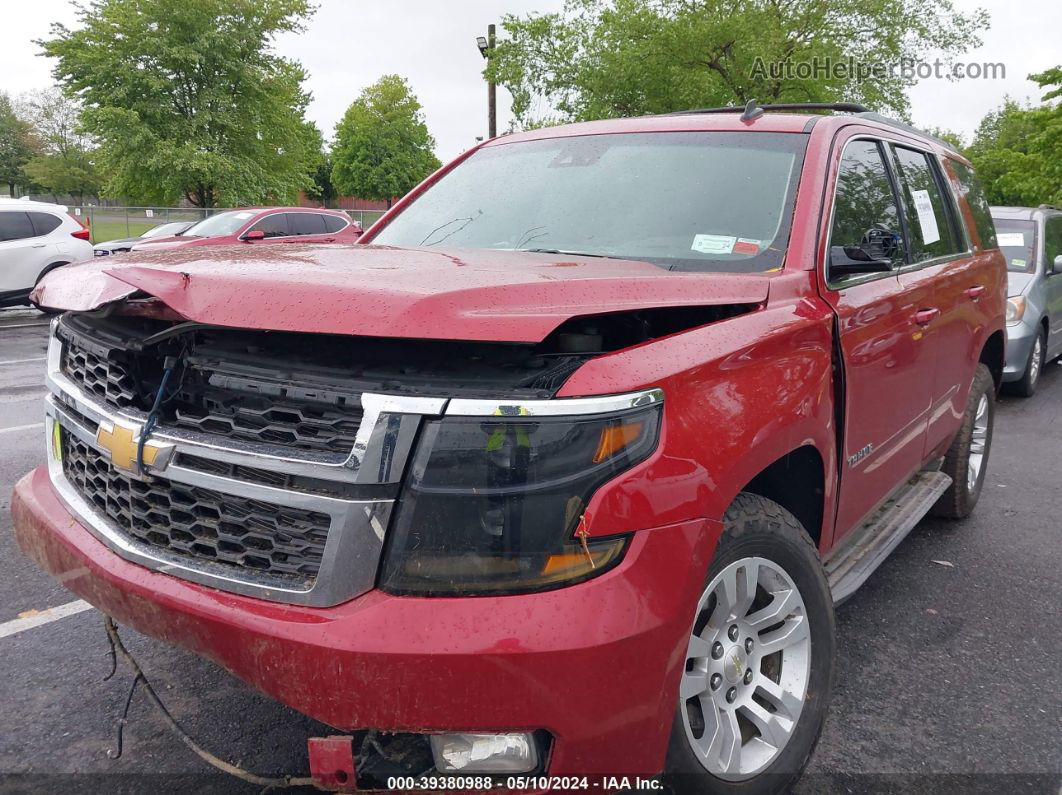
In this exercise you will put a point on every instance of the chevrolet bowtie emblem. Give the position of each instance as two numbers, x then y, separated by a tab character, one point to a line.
121	443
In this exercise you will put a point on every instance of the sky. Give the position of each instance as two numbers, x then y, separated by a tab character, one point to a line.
349	44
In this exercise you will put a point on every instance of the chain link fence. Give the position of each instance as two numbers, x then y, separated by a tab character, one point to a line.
112	223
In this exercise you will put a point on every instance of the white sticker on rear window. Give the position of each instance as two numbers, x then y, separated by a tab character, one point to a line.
713	244
1010	238
926	219
1018	263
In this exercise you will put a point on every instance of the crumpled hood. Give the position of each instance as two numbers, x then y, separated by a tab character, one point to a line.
380	291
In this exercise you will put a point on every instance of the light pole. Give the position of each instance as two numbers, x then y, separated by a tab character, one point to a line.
486	49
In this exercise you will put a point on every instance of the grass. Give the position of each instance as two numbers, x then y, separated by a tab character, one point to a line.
112	230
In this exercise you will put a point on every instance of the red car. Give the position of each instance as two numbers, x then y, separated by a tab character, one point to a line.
520	489
263	225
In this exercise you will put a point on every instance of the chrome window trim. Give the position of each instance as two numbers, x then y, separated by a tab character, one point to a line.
553	407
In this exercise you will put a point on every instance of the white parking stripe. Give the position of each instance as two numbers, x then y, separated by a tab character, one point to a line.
26	325
21	427
43	617
24	361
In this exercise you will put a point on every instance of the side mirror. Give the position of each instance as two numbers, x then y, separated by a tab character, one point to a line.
1056	266
254	234
852	260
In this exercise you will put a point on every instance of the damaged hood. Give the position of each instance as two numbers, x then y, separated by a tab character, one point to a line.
380	291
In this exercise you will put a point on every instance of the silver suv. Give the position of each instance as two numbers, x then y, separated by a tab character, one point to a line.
1031	240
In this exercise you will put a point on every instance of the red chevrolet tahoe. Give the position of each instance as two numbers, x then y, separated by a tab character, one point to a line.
562	473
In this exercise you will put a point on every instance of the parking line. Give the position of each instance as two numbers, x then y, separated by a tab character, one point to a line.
24	361
43	617
21	427
27	325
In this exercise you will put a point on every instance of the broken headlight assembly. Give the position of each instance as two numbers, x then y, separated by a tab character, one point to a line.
494	505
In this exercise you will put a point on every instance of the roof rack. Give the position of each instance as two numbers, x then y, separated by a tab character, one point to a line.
752	110
751	106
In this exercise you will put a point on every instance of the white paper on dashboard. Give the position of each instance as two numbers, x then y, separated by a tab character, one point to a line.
926	219
1010	238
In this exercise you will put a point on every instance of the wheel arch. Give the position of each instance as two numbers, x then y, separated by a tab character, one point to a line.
797	482
992	356
51	266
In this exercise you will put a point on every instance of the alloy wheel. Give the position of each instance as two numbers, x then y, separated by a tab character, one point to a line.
978	443
748	664
1036	360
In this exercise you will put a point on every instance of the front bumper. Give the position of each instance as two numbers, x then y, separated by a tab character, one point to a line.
1020	338
595	664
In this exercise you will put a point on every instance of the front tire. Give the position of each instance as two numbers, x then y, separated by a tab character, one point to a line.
967	459
759	662
1026	387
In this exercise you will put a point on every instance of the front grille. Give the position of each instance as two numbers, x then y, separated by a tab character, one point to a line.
106	377
202	527
270	420
203	398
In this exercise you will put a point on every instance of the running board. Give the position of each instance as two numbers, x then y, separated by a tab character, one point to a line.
858	556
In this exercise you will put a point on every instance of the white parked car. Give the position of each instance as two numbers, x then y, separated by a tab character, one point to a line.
36	237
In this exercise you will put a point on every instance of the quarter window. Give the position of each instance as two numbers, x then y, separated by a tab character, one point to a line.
864	206
928	221
15	226
334	223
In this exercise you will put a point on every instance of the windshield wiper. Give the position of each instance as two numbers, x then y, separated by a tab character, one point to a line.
568	253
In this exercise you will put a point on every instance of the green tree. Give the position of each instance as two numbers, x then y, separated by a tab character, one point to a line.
382	147
65	161
1017	150
16	145
188	99
608	58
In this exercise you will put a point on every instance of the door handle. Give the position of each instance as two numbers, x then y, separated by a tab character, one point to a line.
975	292
924	317
38	245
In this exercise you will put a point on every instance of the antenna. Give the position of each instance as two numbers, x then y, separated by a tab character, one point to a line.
752	111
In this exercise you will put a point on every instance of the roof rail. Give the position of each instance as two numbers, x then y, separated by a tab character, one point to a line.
870	116
749	108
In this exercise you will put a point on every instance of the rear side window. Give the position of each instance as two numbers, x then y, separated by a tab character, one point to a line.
864	207
334	223
306	224
928	221
43	223
273	225
977	201
15	226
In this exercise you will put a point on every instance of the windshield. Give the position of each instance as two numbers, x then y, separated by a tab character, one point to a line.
220	225
1017	241
686	201
166	230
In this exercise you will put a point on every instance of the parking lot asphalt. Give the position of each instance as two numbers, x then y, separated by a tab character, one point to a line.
949	675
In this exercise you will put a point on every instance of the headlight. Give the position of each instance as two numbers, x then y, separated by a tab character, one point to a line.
1015	309
493	504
